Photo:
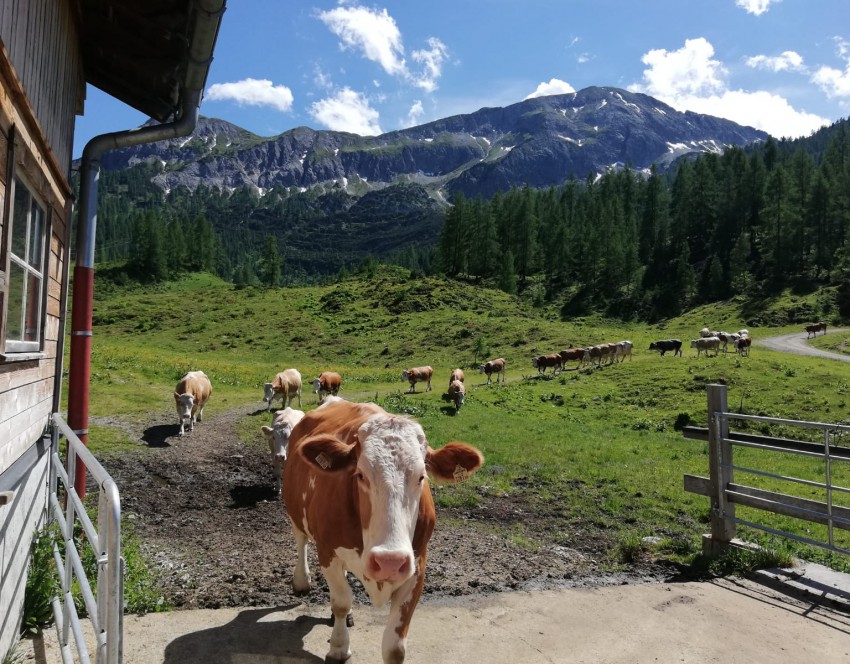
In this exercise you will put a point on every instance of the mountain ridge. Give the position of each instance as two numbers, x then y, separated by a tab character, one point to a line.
540	142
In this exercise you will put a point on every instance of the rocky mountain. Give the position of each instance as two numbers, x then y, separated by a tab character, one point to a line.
539	142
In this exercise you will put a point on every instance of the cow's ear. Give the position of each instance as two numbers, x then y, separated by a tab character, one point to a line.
177	396
453	463
267	430
328	453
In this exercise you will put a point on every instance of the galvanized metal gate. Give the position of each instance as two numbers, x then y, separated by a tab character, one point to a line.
104	606
725	493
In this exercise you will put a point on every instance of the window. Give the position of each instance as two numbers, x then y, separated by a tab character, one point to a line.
25	280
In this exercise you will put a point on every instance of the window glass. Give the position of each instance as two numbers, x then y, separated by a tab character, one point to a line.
21	208
16	301
36	236
32	315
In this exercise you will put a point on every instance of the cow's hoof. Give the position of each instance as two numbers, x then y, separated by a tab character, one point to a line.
300	591
349	620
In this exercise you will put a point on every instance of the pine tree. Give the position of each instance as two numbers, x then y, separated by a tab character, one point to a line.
507	274
270	263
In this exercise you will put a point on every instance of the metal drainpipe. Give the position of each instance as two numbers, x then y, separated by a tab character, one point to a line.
207	20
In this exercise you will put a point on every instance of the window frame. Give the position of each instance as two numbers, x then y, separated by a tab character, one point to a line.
15	349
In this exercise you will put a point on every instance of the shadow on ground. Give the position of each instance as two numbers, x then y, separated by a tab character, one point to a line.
158	435
246	638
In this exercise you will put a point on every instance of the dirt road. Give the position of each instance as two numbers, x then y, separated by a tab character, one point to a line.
718	621
797	343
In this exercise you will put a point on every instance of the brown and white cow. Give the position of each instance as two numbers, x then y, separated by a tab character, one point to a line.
328	382
285	386
623	350
542	362
496	366
457	374
742	345
277	436
812	330
418	375
355	484
190	397
572	355
457	393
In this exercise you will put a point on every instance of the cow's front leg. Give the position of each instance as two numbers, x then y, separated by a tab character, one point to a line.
404	600
301	573
182	427
341	598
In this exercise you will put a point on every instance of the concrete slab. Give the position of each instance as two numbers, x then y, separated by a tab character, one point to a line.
717	621
810	581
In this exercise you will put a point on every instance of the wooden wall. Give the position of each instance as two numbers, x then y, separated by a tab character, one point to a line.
40	39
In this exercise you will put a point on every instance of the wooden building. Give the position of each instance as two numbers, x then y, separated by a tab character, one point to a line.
142	53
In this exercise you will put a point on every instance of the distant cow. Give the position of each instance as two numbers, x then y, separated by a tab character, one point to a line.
190	397
418	375
572	355
285	386
706	344
457	393
327	383
704	333
457	374
744	333
355	483
667	345
496	366
727	338
592	353
812	330
277	436
542	362
624	350
742	345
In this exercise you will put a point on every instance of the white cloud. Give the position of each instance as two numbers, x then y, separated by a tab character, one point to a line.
691	79
553	87
431	60
322	80
757	7
253	92
583	58
372	32
835	82
375	34
787	61
348	111
414	114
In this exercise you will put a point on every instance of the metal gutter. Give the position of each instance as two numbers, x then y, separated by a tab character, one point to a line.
207	20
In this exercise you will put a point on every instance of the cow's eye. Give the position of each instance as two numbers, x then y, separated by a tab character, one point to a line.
360	477
421	479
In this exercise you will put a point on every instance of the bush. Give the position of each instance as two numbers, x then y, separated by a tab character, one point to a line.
42	582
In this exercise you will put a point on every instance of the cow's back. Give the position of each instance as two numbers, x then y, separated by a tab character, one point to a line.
195	383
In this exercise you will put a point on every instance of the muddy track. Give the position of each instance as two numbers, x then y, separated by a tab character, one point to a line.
204	507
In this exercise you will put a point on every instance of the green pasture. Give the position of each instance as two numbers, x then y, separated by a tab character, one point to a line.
600	447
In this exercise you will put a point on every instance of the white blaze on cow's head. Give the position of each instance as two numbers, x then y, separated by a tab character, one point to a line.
185	403
268	392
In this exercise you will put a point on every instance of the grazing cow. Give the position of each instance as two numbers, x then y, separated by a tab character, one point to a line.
624	350
496	366
285	386
742	345
727	338
706	344
418	375
457	374
355	484
327	383
277	436
667	345
543	361
572	354
190	397
744	333
457	393
704	332
812	330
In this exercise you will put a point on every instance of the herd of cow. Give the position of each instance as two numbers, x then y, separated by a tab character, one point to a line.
353	480
599	354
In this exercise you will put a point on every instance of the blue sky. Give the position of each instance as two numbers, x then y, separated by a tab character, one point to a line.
779	65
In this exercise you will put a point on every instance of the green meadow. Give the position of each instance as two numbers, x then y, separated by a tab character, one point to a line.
603	444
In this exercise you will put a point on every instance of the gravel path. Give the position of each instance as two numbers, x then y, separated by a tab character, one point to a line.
797	343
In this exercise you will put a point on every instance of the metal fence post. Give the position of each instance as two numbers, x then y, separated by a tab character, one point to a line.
721	475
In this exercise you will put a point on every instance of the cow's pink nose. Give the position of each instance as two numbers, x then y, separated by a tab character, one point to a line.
389	565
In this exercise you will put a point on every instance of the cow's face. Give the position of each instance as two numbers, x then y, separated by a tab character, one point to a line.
268	392
405	375
317	384
460	397
278	439
390	475
185	403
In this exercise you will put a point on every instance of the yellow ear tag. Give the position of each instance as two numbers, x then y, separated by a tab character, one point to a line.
323	461
460	473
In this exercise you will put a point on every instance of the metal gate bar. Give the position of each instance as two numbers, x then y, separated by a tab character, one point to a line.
106	610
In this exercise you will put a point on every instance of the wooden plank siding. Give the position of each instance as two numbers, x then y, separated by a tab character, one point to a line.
41	41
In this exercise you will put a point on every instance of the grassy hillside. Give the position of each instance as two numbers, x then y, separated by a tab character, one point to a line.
601	443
